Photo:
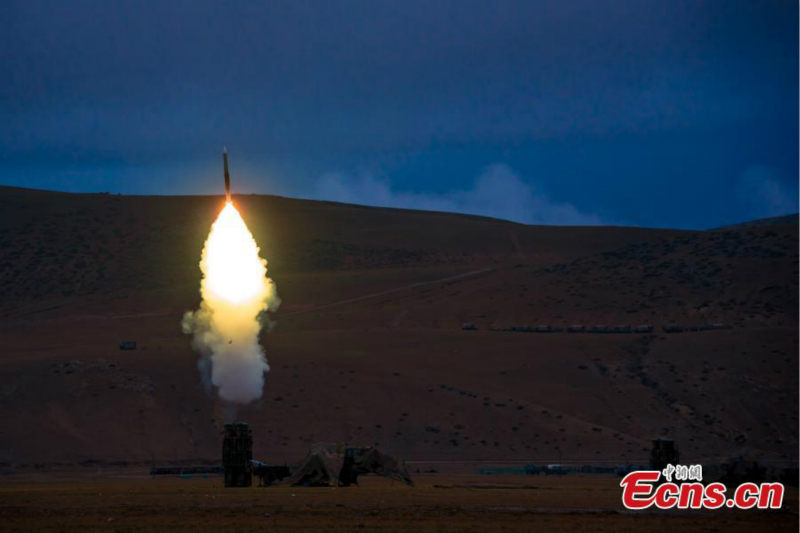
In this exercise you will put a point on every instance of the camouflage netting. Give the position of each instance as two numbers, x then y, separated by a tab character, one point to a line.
337	465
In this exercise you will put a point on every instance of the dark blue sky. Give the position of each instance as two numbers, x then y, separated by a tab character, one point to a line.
654	113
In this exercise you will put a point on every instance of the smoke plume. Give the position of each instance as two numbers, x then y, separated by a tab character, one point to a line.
236	295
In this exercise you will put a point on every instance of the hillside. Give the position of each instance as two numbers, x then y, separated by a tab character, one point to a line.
368	345
784	220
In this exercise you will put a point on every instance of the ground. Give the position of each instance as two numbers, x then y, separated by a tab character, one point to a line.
131	501
369	348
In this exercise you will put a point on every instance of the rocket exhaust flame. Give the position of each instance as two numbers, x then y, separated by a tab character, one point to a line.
236	293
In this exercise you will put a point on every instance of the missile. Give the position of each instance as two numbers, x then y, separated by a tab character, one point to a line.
227	176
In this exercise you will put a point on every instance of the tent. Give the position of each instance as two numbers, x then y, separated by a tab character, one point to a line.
337	465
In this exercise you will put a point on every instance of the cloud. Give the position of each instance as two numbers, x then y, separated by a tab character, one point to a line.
761	189
498	192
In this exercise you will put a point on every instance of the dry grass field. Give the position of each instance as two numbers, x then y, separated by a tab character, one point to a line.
368	348
127	502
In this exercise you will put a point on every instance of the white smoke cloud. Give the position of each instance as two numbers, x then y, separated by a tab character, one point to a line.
236	295
760	188
497	192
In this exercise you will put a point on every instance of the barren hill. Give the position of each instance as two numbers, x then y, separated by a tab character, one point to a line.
369	347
